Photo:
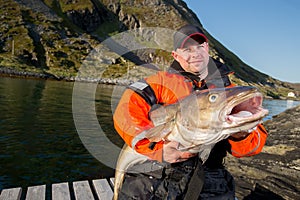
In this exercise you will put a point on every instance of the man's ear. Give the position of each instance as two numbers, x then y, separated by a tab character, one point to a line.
175	55
207	46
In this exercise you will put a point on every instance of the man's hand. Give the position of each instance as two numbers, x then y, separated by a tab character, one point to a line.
172	155
243	134
240	135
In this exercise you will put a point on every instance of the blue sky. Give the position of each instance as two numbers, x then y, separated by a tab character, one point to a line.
265	34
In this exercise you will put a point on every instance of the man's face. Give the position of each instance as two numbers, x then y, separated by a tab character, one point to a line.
193	57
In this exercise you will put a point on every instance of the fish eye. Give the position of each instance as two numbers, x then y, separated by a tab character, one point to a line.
212	98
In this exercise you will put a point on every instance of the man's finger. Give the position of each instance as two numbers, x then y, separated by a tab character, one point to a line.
186	155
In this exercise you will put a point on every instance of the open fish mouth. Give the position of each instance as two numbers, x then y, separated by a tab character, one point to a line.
246	108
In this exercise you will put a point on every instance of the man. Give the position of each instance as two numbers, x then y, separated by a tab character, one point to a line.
173	170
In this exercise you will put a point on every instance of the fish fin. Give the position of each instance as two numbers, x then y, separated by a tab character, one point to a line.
160	132
163	114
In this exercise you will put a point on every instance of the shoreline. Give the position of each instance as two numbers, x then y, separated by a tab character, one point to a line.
9	72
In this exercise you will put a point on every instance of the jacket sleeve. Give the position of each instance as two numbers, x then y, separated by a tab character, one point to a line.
131	122
251	145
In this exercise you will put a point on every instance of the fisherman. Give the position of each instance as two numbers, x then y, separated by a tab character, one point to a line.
175	174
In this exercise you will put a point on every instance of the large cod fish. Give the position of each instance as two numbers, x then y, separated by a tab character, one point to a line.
198	122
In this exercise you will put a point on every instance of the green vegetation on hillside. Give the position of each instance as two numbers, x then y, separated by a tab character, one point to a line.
57	36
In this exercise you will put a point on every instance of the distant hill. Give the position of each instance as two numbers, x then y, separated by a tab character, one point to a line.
52	38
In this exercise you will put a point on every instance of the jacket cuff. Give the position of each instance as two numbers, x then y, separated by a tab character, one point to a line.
154	153
251	145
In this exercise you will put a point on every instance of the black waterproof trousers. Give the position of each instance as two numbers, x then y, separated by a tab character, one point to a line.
160	181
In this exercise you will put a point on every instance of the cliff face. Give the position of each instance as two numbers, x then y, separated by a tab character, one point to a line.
54	37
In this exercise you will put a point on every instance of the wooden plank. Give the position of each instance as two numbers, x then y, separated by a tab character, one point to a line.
60	191
103	189
36	192
11	194
112	181
82	190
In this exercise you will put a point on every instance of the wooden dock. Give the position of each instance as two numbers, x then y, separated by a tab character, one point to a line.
101	189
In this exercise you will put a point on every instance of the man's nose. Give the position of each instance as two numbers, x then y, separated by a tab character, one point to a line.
196	52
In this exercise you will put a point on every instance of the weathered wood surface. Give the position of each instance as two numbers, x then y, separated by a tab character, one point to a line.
79	190
103	189
36	192
61	191
11	194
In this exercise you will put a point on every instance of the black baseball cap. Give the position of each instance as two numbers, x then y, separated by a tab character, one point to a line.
186	32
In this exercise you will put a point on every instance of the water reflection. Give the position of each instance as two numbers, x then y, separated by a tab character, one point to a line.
39	142
289	103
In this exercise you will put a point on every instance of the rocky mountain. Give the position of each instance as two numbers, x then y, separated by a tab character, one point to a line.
53	38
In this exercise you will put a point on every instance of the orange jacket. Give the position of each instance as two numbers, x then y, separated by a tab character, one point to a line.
131	117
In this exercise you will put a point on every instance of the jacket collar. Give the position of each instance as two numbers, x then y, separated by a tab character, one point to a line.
176	68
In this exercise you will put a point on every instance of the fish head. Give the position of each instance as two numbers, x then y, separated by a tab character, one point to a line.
222	109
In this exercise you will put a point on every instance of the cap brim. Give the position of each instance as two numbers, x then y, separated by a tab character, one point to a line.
194	37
